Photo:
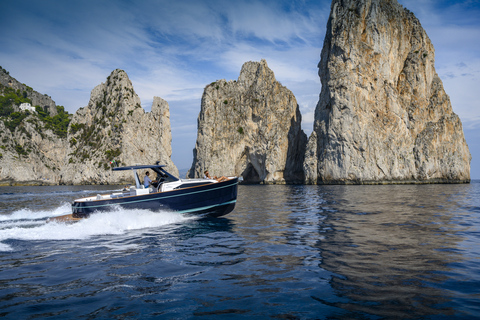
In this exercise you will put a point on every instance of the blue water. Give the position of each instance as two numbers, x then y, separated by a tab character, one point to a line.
285	252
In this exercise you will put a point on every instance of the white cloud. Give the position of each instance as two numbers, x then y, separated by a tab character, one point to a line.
261	20
461	81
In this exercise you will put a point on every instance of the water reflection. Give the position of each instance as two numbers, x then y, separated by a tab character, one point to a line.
381	251
391	247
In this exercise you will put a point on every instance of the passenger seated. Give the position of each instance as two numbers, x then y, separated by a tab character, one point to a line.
207	176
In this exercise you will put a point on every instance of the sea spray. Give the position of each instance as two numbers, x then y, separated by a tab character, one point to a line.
29	214
31	225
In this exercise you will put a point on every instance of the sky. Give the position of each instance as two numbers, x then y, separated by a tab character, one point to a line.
173	49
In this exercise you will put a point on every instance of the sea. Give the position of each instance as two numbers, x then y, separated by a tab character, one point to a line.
285	252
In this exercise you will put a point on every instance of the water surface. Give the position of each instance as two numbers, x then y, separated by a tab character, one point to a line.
288	252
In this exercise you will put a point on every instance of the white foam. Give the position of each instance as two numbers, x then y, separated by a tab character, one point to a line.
5	247
116	222
28	214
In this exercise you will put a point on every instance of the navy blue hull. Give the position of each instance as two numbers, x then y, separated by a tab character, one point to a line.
215	199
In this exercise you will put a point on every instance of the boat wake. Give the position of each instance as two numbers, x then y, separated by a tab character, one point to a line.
30	225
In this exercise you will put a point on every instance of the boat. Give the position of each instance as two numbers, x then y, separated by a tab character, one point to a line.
208	197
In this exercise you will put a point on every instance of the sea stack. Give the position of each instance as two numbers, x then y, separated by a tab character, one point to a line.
113	129
383	115
250	128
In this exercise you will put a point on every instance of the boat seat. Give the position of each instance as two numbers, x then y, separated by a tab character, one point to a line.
159	186
142	191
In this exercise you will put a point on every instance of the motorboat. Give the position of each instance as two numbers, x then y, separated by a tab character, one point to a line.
210	197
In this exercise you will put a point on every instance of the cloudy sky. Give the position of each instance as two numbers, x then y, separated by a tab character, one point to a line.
173	49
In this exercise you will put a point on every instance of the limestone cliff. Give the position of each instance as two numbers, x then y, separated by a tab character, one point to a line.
250	127
114	126
36	98
383	115
32	144
30	152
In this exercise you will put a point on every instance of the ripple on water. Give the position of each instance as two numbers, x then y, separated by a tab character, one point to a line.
303	252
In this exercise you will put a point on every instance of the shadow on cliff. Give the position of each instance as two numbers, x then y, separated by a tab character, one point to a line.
297	144
256	172
250	175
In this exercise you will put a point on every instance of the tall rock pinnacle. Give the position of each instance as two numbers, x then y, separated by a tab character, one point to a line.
383	115
250	127
114	126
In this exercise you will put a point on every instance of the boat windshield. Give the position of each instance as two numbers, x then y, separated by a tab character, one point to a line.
162	174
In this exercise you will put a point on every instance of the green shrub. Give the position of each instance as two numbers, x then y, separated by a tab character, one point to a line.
14	121
20	150
41	112
58	124
112	154
75	127
10	97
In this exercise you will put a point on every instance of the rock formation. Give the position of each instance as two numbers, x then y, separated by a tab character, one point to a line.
250	127
30	153
37	98
114	126
383	115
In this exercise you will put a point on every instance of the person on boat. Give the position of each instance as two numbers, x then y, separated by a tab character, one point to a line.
207	176
146	180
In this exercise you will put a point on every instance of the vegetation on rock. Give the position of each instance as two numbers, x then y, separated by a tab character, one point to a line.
58	123
10	97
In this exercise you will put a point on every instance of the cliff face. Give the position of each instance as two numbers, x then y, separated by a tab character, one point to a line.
37	98
30	153
250	127
114	126
32	149
383	115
